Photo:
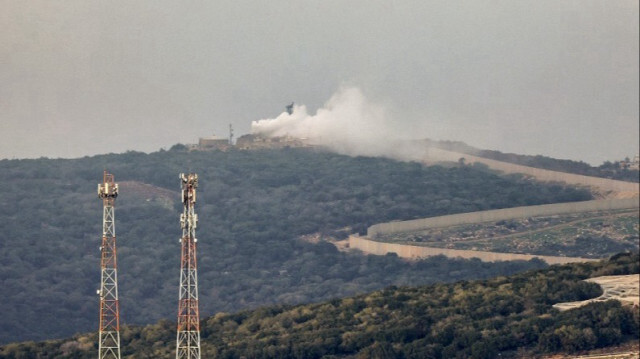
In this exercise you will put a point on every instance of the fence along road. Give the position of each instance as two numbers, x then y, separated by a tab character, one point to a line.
622	195
495	215
609	187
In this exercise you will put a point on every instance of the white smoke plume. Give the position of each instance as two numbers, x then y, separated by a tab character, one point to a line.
348	123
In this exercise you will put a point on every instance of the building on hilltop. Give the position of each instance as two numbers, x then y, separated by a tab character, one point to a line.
213	142
255	141
247	142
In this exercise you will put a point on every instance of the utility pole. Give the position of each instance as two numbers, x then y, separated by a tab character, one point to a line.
109	338
188	336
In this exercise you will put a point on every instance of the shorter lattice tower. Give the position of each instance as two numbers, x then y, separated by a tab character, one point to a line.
109	337
188	338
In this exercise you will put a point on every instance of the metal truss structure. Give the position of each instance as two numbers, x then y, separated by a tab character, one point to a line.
109	337
188	338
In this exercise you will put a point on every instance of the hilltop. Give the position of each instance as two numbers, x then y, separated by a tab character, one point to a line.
504	317
253	208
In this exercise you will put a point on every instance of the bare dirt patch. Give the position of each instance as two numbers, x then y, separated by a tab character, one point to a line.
138	191
619	287
628	350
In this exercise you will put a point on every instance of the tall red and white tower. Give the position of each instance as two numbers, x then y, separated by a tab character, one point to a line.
109	338
188	339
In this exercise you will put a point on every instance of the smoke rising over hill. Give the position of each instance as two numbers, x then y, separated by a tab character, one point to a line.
348	123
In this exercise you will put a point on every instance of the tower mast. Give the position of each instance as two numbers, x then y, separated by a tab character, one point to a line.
109	338
188	338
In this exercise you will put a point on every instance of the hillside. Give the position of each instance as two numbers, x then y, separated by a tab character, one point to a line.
505	317
618	170
585	235
253	206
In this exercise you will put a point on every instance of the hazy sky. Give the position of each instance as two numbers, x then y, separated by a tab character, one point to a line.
82	77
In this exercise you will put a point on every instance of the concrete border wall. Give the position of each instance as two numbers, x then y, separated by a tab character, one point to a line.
540	174
408	251
501	214
414	252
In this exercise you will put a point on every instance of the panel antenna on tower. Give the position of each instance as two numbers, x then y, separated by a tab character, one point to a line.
109	336
188	334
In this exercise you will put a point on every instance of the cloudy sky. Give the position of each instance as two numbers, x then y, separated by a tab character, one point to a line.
551	77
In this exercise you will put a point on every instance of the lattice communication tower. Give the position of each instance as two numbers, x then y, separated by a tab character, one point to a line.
188	338
109	338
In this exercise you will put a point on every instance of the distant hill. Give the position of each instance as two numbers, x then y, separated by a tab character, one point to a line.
504	317
617	170
253	206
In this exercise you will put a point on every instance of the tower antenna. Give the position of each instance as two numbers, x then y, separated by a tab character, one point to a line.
188	336
109	338
290	108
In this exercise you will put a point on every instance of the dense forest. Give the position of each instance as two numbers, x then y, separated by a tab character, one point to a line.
502	317
253	207
618	170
